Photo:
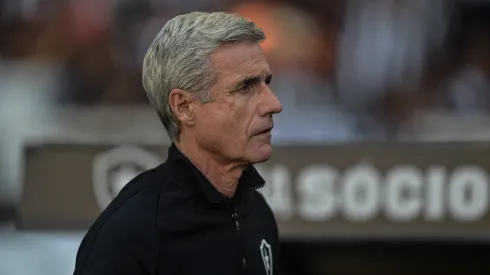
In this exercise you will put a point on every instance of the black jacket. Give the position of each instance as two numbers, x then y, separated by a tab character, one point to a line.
171	220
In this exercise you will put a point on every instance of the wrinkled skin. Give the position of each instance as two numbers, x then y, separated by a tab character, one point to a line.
231	131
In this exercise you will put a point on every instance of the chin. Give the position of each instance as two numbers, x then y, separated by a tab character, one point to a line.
262	153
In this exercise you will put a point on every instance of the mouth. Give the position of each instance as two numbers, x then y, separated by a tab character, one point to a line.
265	131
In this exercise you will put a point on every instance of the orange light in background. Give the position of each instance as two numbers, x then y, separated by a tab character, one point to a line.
260	14
294	39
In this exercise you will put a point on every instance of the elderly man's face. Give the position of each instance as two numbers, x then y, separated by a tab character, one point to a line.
236	124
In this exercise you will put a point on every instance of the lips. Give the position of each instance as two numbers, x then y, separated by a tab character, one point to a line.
265	131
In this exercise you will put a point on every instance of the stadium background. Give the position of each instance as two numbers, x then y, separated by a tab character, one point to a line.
393	88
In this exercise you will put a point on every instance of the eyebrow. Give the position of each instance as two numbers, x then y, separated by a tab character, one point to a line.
251	80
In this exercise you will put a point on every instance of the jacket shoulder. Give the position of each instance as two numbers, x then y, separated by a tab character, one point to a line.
123	238
261	200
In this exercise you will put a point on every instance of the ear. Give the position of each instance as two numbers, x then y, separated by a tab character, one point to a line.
180	102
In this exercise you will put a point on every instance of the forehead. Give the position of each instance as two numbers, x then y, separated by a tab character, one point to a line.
231	62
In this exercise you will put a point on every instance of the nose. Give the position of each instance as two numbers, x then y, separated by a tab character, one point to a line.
270	103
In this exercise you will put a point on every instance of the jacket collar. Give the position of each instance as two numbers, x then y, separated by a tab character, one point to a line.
191	177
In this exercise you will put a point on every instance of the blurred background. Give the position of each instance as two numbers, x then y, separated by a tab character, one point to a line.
346	71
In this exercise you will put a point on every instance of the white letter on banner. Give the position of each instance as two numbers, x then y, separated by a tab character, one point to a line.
434	206
402	179
468	193
361	192
315	187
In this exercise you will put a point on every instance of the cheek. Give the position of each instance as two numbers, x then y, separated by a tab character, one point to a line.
243	116
209	121
243	123
233	119
227	124
215	124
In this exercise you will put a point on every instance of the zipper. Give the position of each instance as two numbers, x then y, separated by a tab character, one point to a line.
234	215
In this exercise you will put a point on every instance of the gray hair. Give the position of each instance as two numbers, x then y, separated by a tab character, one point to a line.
178	58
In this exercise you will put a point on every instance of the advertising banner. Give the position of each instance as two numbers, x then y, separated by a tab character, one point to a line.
367	190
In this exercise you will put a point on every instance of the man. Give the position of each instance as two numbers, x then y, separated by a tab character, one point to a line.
199	212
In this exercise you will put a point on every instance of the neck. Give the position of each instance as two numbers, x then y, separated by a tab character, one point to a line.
222	175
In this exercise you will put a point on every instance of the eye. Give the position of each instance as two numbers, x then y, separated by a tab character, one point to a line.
247	88
268	80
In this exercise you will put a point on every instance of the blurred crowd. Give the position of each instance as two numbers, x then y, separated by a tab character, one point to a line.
344	70
382	60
